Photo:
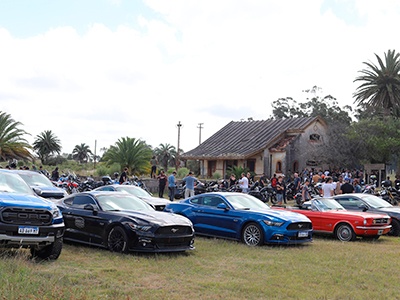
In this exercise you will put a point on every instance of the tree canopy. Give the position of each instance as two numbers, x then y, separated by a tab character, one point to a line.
46	144
82	153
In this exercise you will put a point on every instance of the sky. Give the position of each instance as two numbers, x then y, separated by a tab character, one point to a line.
95	71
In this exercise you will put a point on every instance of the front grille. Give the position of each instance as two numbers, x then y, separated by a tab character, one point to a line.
174	230
381	221
299	226
26	216
173	242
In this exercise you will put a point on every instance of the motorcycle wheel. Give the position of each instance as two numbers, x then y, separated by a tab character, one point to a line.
273	199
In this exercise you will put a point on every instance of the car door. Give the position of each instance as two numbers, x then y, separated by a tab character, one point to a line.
216	221
85	221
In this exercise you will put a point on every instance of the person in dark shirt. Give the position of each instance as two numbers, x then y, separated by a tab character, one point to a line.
347	187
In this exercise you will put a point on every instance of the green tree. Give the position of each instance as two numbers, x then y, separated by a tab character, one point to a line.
12	143
131	153
166	155
380	86
82	153
46	144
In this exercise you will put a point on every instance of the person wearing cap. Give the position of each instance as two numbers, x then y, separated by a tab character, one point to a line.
347	187
189	181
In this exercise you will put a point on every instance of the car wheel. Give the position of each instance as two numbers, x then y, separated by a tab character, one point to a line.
117	240
345	233
395	230
50	252
252	235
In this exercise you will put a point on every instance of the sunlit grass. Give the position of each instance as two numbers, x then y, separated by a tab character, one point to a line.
217	269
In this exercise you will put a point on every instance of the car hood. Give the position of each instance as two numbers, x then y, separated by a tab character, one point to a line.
282	214
359	213
389	209
157	217
48	189
19	200
155	201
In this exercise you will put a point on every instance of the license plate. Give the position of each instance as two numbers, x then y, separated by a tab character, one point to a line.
28	230
303	233
380	232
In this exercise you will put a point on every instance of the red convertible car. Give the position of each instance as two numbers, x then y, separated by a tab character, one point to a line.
328	216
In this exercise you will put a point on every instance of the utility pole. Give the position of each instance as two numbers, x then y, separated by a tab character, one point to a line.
179	139
94	158
200	128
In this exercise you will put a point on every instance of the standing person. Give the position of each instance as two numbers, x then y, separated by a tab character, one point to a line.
171	185
297	183
263	180
153	162
124	176
162	182
328	188
232	180
244	183
55	175
274	180
357	186
189	181
305	194
347	187
280	187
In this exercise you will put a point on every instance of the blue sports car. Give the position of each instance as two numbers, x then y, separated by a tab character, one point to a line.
242	217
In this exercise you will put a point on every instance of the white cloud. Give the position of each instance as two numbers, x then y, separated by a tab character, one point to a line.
199	62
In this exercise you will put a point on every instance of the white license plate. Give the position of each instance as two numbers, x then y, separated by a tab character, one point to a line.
28	230
380	232
303	234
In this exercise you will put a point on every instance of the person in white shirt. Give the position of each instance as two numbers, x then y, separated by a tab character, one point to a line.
328	188
244	183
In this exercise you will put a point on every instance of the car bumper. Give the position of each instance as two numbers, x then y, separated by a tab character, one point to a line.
372	231
163	244
10	237
289	237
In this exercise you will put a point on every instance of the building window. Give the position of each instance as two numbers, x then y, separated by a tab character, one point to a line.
278	167
315	137
296	167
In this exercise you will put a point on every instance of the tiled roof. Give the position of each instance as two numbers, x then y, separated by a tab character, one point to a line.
245	138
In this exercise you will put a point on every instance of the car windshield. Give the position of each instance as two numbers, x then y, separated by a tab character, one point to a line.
326	204
375	201
243	201
34	179
122	202
138	192
12	183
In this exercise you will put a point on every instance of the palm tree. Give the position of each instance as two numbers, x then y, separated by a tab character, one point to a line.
81	153
165	154
131	153
12	143
46	144
381	84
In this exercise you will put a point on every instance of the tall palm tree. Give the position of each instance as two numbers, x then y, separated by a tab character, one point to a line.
46	144
131	153
12	143
81	153
165	154
381	84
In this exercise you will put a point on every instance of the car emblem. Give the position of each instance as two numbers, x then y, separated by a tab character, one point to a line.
300	225
174	230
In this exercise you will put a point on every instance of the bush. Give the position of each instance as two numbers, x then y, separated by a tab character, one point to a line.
182	172
216	175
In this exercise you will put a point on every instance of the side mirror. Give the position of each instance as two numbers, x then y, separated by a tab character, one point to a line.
37	191
363	207
91	207
222	206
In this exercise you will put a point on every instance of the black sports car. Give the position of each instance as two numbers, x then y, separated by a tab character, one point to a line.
371	203
122	222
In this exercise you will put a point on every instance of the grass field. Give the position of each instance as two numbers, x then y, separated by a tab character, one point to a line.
217	269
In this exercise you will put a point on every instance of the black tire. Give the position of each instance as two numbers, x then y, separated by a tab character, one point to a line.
395	230
345	233
117	240
50	252
252	235
273	199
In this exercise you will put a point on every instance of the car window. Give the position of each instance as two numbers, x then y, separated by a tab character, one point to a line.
197	200
212	201
106	188
81	200
349	202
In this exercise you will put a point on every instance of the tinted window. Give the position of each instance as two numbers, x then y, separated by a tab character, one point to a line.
81	200
196	200
212	201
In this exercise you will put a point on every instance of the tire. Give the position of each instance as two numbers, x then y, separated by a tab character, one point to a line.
252	235
395	230
50	252
117	240
345	233
273	199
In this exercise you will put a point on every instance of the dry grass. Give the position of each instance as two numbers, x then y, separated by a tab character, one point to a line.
217	269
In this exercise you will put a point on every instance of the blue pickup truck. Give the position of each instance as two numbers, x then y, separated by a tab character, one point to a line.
28	221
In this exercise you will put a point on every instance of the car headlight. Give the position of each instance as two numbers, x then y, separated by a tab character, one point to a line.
272	223
55	212
137	227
